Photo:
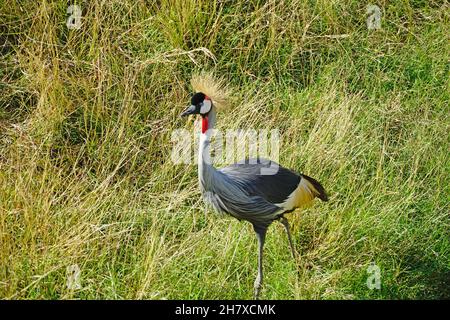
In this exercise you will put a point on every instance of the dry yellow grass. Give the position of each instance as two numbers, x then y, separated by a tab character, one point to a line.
86	118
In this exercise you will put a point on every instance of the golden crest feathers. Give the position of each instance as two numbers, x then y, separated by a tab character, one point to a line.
214	88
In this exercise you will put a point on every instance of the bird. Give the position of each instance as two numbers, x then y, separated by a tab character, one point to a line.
241	189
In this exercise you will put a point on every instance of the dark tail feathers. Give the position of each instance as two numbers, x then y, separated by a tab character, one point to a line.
321	194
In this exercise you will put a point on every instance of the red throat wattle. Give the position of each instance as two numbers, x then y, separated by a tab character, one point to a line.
204	124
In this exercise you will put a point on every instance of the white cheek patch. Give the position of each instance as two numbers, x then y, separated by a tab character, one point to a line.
206	106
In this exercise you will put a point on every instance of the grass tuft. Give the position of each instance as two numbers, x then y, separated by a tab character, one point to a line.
86	176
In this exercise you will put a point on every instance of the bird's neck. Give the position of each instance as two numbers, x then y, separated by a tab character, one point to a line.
205	166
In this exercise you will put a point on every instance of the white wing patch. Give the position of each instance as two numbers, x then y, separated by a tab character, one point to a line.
301	196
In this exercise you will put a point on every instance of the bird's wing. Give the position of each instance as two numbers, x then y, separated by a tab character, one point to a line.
255	176
279	186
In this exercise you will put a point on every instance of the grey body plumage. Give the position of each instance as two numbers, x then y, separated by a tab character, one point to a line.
238	196
242	191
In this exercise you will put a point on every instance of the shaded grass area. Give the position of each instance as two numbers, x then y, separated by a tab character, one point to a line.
86	118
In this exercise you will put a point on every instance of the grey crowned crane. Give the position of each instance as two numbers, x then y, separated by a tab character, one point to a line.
240	189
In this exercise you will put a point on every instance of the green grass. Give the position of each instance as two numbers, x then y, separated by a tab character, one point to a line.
86	118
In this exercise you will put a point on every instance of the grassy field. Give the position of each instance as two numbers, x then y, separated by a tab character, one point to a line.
86	177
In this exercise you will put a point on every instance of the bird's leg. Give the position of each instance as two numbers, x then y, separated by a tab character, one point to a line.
285	223
261	236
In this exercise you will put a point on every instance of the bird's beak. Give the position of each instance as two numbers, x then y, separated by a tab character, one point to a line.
189	110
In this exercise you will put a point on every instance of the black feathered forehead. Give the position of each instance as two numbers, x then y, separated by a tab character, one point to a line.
197	98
